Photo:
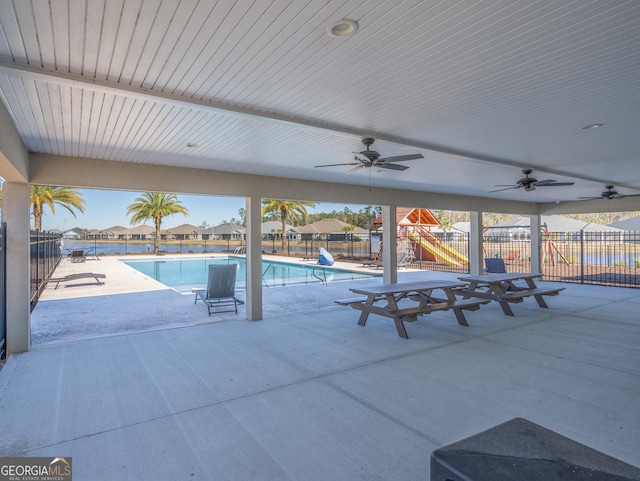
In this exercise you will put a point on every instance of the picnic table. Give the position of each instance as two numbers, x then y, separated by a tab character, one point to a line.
383	300
502	288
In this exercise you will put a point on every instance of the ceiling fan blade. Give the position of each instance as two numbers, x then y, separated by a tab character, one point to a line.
384	165
335	165
612	196
506	188
551	183
355	169
401	158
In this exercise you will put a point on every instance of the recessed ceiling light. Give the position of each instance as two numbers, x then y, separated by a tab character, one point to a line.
592	126
192	145
343	28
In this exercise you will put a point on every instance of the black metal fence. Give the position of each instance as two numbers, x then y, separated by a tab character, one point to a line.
3	289
46	252
610	258
603	258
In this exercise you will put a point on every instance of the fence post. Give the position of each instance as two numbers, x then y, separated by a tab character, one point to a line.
581	256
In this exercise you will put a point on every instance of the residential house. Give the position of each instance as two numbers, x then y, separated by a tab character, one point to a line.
74	234
519	229
330	229
141	232
272	229
181	232
226	231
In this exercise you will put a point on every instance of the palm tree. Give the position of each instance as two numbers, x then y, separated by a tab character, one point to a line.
295	210
46	195
155	206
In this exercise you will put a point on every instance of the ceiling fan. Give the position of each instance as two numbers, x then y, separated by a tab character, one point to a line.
530	183
610	194
370	158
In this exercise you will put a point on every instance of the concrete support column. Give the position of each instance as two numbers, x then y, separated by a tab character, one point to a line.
15	212
476	253
389	245
536	244
254	258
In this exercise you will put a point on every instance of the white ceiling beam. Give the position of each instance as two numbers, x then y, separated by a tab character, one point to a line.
103	174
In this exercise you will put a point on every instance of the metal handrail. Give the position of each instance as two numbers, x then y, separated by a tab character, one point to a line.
265	271
322	279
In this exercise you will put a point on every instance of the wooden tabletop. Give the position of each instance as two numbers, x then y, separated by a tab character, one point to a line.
505	276
406	287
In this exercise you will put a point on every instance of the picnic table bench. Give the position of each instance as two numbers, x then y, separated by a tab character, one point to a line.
422	292
503	289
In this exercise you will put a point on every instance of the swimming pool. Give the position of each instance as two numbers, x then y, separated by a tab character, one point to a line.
184	274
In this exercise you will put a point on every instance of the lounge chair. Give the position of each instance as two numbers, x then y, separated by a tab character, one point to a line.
494	265
77	256
403	259
75	277
221	287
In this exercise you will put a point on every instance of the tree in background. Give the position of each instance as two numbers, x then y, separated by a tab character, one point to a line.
294	211
46	195
243	216
155	206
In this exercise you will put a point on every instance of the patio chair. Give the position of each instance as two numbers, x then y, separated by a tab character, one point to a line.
494	265
221	287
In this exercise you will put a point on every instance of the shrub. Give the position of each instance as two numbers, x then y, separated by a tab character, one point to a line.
637	262
620	263
572	259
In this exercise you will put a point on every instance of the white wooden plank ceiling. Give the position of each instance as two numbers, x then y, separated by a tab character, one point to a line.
260	87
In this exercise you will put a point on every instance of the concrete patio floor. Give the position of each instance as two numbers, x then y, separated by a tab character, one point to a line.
310	395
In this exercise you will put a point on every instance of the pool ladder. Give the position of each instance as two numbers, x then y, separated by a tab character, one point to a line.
315	274
322	279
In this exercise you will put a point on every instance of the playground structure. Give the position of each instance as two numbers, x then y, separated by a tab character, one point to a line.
414	233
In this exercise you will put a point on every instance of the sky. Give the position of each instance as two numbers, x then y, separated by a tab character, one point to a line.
108	208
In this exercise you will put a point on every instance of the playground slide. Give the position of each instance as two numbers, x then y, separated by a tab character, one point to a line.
438	249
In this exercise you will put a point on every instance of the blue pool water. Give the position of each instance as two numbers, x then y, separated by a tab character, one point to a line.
184	274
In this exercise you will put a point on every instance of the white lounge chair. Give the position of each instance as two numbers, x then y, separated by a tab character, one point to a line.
221	287
75	277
